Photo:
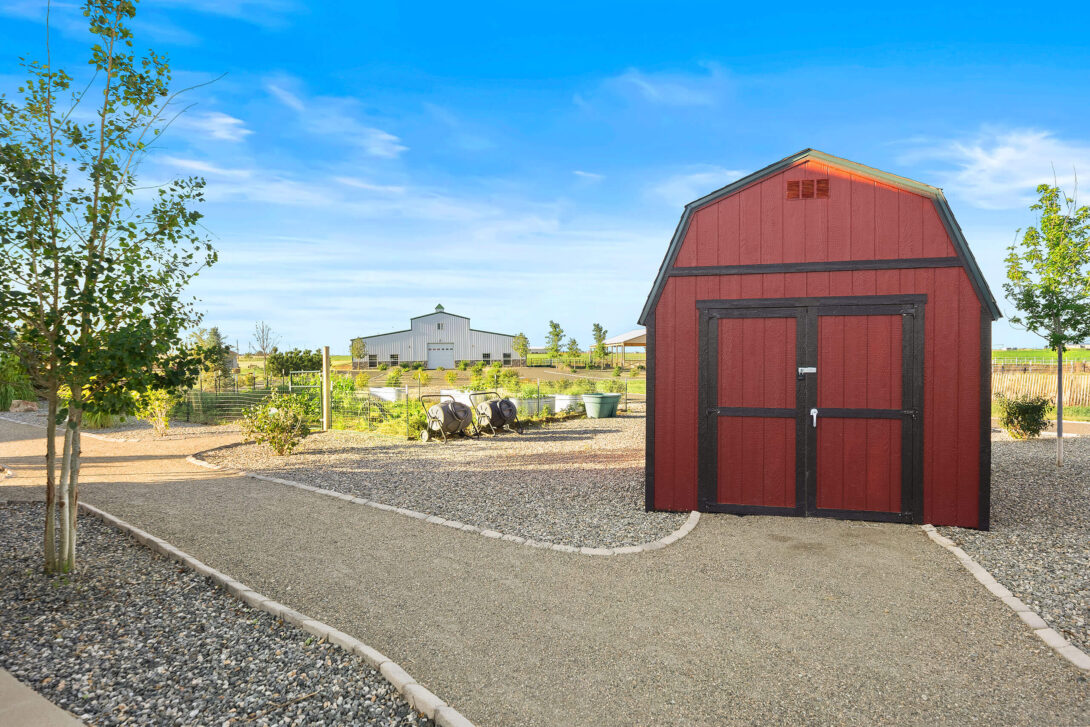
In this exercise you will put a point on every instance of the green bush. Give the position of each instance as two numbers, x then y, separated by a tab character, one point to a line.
342	384
363	381
280	421
509	379
383	366
477	383
154	407
1024	417
14	382
451	377
393	377
611	386
478	367
463	365
249	380
617	371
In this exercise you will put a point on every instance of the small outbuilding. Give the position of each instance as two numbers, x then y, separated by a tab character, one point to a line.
819	344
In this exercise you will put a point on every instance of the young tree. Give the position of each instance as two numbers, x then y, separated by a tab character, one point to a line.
521	346
599	334
264	341
1048	281
554	339
91	284
573	348
358	349
214	351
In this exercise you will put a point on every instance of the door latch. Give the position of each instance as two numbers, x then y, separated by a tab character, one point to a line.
803	370
910	413
814	413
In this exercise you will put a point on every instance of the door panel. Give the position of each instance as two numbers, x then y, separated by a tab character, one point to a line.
859	362
757	362
859	464
757	461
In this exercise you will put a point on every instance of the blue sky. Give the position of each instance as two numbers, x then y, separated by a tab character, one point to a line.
520	163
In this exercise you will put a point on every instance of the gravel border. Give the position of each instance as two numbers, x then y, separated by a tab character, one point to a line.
1050	636
419	698
139	430
131	638
685	529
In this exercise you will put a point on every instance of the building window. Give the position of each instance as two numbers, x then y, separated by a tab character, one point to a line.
372	359
507	359
393	359
439	326
486	357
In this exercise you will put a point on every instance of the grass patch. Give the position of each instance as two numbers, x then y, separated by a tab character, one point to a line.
1071	413
1041	354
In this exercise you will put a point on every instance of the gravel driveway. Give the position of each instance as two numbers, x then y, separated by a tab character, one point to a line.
132	638
1039	545
578	482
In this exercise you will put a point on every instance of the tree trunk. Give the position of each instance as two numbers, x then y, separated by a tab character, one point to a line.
73	491
51	484
1059	407
66	458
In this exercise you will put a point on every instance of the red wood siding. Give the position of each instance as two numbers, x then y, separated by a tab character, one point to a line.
862	219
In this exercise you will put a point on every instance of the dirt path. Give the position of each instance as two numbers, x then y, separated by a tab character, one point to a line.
746	621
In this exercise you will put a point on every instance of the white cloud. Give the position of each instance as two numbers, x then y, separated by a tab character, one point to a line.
680	189
589	176
671	89
335	118
370	186
1001	168
199	167
214	125
266	13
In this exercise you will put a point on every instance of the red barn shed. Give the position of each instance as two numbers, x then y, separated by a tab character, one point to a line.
819	343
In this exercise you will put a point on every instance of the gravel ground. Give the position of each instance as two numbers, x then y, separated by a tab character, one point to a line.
1039	545
578	482
133	429
133	638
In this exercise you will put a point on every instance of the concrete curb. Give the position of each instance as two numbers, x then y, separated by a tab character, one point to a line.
1050	636
685	529
419	698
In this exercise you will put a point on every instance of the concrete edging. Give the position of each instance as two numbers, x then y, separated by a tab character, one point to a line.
685	529
419	697
1047	634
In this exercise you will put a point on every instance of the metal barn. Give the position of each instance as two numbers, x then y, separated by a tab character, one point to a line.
437	339
819	341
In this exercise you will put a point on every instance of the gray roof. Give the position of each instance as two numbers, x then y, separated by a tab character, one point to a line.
934	193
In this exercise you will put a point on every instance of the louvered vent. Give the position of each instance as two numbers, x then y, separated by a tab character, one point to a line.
808	189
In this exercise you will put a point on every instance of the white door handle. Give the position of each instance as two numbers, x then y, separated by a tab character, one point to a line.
813	413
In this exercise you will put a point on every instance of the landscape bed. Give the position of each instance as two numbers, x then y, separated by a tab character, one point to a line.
134	638
1039	544
578	482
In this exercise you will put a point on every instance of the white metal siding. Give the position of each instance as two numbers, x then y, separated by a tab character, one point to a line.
412	345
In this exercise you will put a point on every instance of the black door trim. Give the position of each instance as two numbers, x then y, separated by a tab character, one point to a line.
806	311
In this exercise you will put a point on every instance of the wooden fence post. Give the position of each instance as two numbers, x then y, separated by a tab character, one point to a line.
327	413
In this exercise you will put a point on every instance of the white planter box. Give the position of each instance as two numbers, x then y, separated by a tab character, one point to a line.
564	402
533	406
388	393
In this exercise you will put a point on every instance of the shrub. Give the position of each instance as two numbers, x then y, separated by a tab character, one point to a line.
383	366
393	377
440	369
509	379
14	382
249	380
280	421
1024	417
640	367
451	377
477	383
617	371
100	420
154	406
363	381
463	365
611	386
478	367
422	376
342	384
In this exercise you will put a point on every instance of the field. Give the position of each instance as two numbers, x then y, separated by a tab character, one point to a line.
1040	354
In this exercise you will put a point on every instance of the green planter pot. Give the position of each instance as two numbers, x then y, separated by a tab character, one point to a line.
610	402
597	407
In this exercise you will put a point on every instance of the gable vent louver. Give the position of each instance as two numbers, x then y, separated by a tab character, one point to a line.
808	189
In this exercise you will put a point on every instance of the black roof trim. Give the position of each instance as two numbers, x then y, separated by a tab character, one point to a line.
961	245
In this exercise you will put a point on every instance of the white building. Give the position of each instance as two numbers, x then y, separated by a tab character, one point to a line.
437	339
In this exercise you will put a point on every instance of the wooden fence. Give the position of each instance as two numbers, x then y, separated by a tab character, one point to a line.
1018	383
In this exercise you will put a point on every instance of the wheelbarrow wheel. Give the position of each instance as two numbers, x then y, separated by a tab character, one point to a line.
424	435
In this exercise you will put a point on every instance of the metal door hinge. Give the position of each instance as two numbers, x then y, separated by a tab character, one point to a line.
713	410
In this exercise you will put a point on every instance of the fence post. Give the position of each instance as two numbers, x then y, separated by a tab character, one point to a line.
327	413
407	411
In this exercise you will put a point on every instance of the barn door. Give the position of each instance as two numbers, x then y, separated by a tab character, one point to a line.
812	407
751	461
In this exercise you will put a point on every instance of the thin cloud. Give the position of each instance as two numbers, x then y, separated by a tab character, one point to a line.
214	125
369	186
671	89
1001	168
335	118
589	176
199	167
680	189
264	13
